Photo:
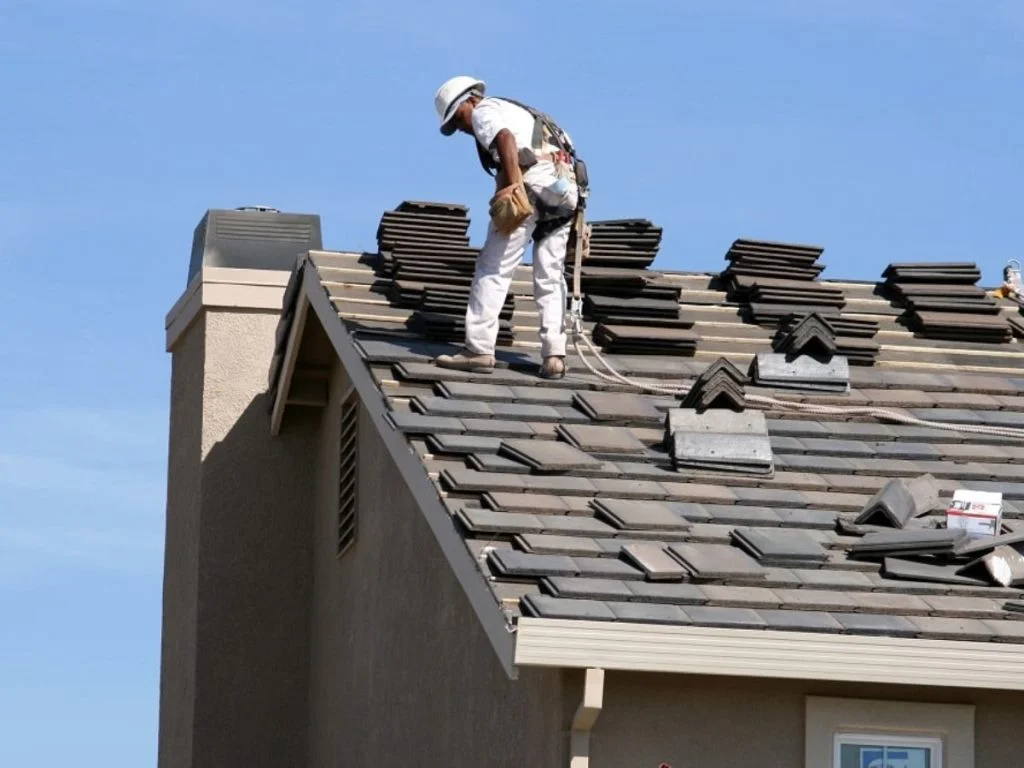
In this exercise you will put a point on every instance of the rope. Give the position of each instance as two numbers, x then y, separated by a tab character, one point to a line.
576	325
884	414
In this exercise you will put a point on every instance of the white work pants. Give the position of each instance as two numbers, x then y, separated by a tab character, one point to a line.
495	266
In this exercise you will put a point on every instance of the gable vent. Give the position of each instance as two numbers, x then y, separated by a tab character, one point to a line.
348	474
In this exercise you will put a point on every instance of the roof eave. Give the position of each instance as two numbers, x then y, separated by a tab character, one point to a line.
768	654
463	565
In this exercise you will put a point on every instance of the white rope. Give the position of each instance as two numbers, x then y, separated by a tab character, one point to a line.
615	377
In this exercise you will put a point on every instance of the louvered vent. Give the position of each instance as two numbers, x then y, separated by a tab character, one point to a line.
348	473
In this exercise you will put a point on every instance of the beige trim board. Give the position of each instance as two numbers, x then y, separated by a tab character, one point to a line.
768	654
228	288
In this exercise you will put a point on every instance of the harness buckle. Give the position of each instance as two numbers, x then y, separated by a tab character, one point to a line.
576	316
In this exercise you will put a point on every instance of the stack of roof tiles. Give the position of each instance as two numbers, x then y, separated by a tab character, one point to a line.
850	337
943	301
635	309
775	280
424	249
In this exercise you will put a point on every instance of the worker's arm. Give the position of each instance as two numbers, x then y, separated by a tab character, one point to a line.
508	155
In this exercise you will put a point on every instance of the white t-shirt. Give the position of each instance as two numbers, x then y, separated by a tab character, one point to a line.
492	115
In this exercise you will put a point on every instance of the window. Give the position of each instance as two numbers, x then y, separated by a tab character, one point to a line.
886	751
348	472
866	733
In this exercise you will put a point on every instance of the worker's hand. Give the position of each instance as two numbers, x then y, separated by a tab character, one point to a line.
510	207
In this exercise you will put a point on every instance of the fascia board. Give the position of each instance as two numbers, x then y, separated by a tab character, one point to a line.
768	654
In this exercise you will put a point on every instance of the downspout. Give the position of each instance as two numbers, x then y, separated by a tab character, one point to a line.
585	717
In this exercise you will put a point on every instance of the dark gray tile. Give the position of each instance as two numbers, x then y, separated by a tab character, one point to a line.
824	446
489	462
568	414
469	390
951	629
442	406
871	624
716	561
616	407
548	455
636	470
546	544
816	599
574	525
628	514
595	438
418	424
469	480
813	463
525	411
648	613
741	514
607	568
486	521
800	621
741	597
948	415
770	497
545	607
497	428
629	489
739	618
782	444
511	563
902	450
693	513
564	485
862	430
462	444
595	589
926	382
1006	631
894	604
808	518
968	607
665	592
829	579
525	502
795	428
540	395
656	563
775	545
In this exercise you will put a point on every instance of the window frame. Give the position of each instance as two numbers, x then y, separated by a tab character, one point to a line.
829	717
887	739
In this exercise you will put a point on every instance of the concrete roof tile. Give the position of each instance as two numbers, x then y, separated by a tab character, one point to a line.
649	613
800	621
546	607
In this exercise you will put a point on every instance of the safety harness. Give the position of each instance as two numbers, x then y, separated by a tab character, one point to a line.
546	132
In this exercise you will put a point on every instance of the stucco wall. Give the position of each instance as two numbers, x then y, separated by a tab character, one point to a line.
237	568
689	721
402	673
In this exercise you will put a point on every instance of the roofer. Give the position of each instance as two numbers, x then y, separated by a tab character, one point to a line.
538	192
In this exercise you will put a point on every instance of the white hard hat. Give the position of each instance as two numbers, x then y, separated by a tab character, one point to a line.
450	96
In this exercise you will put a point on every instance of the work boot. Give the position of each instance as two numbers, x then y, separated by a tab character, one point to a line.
466	361
553	367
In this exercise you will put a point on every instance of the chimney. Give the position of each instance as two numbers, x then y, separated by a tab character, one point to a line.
237	568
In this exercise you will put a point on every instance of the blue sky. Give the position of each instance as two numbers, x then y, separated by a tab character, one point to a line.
881	129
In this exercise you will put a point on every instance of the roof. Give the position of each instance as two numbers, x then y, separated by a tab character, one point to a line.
563	497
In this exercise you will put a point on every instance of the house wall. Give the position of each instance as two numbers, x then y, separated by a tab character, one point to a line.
722	722
234	671
402	672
